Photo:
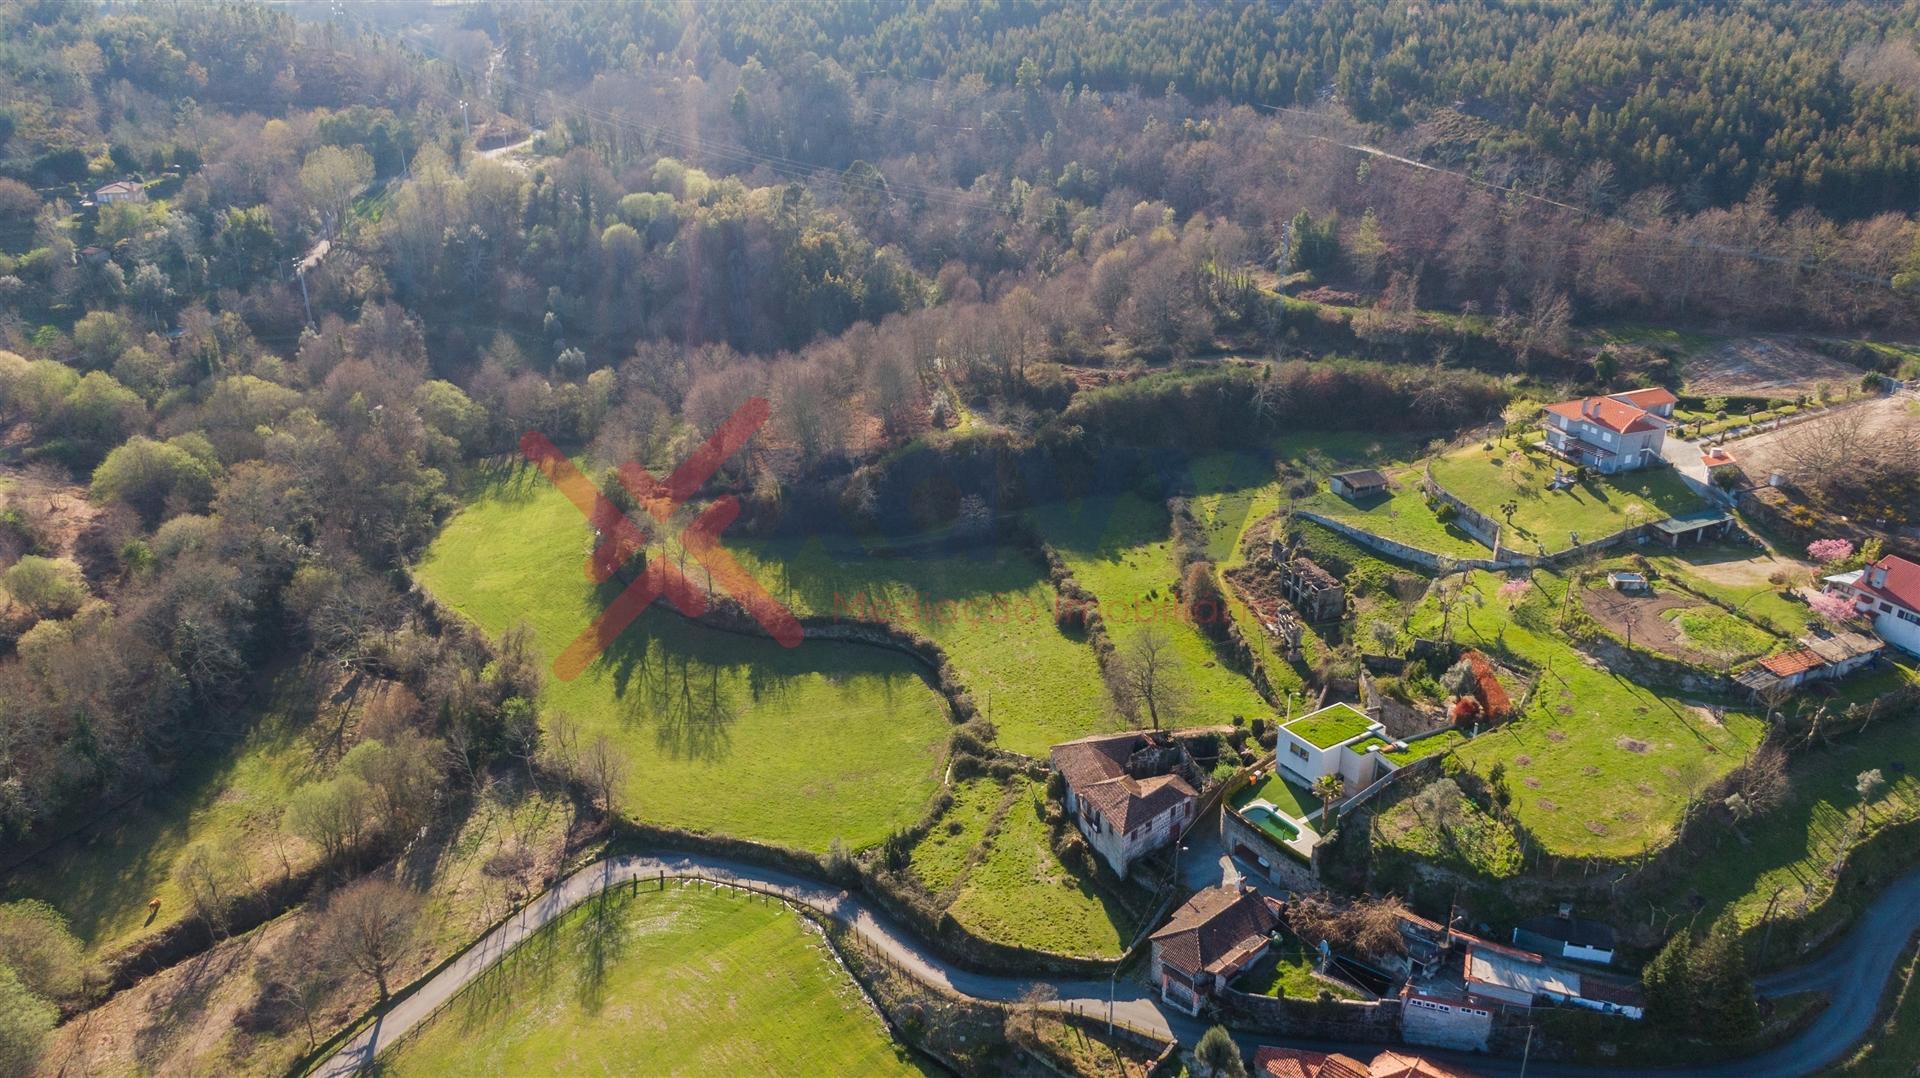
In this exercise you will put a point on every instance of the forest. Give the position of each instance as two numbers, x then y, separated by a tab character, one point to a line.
977	257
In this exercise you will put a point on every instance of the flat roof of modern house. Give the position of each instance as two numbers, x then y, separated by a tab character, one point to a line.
1692	522
1331	726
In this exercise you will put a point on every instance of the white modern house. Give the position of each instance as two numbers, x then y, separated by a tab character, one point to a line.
1887	593
1614	433
1337	739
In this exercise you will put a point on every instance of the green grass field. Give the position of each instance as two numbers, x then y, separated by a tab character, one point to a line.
940	859
722	732
1545	520
1713	630
1401	515
1789	850
1432	745
677	982
1119	549
229	795
1282	793
1021	894
1598	766
1467	841
990	609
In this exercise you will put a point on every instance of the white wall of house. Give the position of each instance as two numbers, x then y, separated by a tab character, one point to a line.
1897	630
1630	451
1304	759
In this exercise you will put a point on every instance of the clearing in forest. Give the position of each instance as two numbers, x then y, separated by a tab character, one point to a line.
722	732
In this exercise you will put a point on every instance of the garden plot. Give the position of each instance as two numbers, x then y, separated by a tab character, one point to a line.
1677	624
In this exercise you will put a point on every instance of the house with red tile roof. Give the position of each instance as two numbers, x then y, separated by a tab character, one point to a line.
1614	433
1218	933
1275	1062
1888	594
1125	792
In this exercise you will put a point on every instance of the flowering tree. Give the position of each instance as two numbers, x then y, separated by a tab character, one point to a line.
1831	608
1513	591
1828	551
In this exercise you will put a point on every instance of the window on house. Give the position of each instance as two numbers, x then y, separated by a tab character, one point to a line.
1886	608
1294	747
1908	615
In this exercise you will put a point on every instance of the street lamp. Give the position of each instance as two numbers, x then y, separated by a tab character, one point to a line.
1110	980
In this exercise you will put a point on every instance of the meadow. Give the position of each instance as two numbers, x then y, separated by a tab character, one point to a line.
692	981
989	607
721	732
1119	548
229	794
1598	766
1019	893
1788	852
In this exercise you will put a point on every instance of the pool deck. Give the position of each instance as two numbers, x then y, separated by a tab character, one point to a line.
1302	844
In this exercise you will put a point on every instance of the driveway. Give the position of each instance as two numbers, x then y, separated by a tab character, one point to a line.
1853	971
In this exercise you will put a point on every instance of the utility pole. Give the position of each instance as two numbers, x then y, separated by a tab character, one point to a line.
465	128
1110	980
301	273
1527	1051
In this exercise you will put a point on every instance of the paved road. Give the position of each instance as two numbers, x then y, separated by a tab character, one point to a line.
1853	971
875	927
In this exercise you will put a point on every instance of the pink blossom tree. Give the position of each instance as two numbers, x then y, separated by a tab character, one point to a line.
1513	591
1834	609
1828	551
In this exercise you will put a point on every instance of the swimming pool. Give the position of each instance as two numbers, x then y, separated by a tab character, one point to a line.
1277	827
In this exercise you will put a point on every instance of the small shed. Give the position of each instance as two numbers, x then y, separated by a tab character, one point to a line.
1360	483
1631	583
120	191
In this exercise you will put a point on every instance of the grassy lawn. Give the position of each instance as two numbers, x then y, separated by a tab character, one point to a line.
1287	971
688	981
1330	725
1546	519
989	608
1119	549
1226	512
1598	766
1712	629
1737	576
1402	515
1282	793
1021	894
1789	850
1433	745
227	794
1893	1048
820	741
940	859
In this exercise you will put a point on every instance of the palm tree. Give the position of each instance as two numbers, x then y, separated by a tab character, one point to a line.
1328	788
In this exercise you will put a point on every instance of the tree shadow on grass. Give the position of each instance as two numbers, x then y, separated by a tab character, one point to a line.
605	933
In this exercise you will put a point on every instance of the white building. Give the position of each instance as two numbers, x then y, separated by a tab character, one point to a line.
1614	433
1337	739
1888	593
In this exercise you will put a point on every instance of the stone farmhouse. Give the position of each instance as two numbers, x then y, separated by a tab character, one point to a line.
1218	933
1126	792
1615	433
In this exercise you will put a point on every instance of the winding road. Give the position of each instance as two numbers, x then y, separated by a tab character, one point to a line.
1853	972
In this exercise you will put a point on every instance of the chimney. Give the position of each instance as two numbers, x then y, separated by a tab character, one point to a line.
1877	576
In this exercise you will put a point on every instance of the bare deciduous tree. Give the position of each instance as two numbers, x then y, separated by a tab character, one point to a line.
369	925
1148	677
603	767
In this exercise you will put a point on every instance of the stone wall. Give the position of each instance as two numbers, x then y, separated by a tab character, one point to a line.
1445	1025
1339	1019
